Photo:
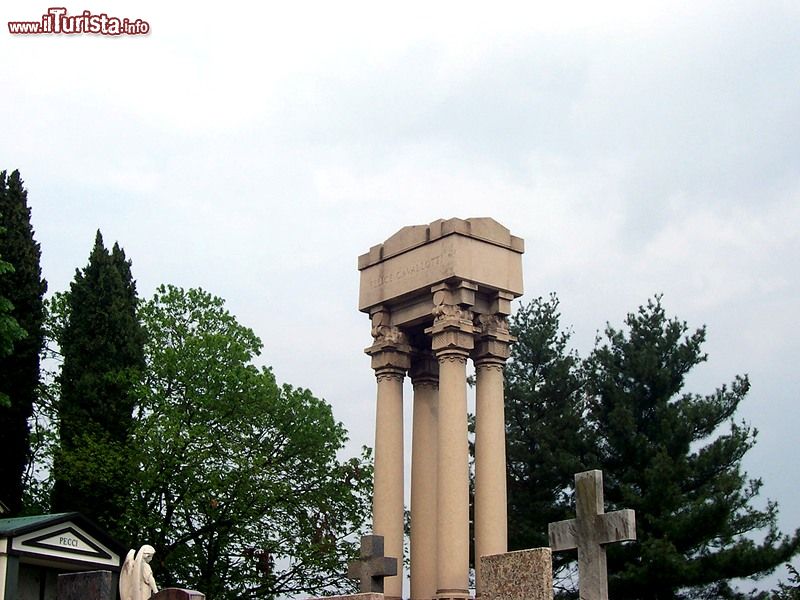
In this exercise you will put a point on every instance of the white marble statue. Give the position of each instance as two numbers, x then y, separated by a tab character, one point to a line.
136	577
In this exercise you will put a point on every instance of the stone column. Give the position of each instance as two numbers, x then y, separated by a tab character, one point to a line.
490	354
425	379
452	341
390	360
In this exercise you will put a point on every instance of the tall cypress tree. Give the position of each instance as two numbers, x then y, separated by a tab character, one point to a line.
24	288
102	346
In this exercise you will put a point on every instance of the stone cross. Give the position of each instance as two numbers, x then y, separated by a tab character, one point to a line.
373	565
589	532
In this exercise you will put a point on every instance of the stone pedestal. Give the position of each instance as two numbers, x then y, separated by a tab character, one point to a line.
522	575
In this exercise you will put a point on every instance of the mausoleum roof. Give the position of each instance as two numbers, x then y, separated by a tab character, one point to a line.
19	525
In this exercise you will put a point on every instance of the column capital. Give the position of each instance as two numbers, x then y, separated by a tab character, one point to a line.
389	360
452	332
390	351
493	340
424	369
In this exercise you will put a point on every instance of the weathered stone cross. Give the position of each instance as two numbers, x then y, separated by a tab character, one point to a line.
373	565
589	532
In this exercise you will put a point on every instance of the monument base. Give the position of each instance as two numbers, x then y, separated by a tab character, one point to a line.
521	575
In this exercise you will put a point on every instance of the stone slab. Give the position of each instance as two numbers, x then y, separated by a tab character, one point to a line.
86	585
521	575
477	250
177	594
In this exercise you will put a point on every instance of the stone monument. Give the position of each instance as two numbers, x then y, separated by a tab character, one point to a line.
590	532
136	577
438	295
373	567
520	575
86	585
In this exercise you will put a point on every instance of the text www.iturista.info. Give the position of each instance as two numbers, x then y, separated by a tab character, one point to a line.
57	21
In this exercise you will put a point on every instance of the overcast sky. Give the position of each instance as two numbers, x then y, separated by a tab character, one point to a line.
256	150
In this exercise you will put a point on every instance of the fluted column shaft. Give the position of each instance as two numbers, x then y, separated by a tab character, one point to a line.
452	341
390	359
452	500
491	352
424	448
387	501
490	463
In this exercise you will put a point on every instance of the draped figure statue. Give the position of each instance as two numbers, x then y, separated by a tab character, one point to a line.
136	577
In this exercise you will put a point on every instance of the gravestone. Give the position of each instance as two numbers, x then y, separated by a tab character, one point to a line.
520	575
589	532
373	566
177	594
86	585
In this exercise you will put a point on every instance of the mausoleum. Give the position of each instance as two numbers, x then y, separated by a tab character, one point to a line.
35	550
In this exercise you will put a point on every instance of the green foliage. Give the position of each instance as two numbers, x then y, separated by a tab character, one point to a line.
665	455
673	457
102	346
10	331
791	590
44	439
240	489
21	335
546	437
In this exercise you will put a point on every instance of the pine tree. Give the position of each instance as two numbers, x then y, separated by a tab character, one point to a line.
545	432
103	358
666	454
22	287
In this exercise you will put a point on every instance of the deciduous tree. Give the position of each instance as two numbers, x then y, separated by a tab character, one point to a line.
240	489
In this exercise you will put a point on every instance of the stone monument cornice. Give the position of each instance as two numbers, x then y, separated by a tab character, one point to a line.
477	252
406	239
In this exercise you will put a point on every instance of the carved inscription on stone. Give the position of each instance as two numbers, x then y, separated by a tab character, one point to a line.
442	260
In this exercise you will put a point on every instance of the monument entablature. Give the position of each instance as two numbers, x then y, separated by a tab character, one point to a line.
476	263
439	295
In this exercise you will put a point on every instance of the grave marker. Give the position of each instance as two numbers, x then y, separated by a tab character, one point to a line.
373	566
589	532
87	585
